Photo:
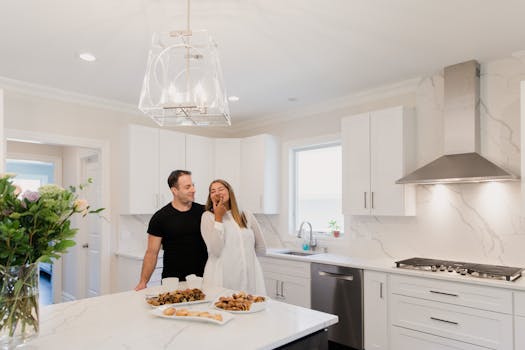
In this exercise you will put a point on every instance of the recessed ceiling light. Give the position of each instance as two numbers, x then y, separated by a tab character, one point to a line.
292	99
87	56
233	98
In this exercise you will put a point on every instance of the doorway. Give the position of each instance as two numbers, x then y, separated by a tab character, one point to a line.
79	273
33	171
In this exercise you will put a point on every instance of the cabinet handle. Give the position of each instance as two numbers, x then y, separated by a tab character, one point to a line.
336	275
380	290
277	289
442	320
443	293
372	200
364	196
282	289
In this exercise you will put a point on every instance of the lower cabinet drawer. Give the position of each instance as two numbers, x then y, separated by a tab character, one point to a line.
489	329
479	297
406	339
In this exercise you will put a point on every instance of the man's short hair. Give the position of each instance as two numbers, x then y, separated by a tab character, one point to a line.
173	179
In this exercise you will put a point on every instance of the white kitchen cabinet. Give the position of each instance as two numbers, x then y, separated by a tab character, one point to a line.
462	316
408	339
228	162
519	320
378	149
172	156
375	310
259	192
287	281
519	332
199	160
129	269
148	156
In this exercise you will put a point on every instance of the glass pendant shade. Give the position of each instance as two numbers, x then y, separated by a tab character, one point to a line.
183	83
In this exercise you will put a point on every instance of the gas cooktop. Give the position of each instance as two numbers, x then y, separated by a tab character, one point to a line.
508	273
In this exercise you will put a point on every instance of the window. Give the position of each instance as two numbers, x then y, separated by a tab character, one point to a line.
30	175
317	186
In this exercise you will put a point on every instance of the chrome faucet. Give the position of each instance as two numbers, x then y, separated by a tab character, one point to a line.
312	242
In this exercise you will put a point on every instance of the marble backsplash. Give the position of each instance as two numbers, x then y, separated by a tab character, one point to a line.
470	222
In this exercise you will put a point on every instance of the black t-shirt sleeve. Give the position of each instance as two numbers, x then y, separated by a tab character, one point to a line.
154	226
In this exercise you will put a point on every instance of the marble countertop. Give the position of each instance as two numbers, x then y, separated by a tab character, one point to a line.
389	266
125	321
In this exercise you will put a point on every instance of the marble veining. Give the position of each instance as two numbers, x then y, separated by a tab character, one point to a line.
468	222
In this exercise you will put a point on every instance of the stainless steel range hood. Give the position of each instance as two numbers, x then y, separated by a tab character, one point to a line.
462	161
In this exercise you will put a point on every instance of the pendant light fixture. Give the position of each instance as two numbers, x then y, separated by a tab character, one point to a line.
183	83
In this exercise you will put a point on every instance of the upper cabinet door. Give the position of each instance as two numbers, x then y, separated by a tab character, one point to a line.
390	131
378	149
228	162
199	160
260	174
141	170
356	164
172	156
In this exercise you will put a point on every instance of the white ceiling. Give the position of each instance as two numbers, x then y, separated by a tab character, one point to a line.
271	50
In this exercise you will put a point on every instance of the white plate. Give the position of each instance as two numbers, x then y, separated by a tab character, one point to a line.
255	307
226	317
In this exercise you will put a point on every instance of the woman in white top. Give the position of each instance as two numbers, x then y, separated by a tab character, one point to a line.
232	238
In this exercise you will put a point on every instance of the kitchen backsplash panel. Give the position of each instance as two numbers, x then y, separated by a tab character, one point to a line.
469	222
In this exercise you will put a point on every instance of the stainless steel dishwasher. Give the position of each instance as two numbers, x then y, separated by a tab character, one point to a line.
339	290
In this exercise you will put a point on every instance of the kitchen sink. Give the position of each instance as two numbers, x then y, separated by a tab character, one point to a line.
291	252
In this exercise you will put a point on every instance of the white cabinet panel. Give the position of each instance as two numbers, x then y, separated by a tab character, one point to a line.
480	297
519	332
128	273
259	191
140	178
406	339
519	303
148	155
356	164
378	150
172	156
199	160
228	162
287	281
375	310
484	328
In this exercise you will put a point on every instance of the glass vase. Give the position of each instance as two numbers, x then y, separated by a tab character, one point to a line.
18	304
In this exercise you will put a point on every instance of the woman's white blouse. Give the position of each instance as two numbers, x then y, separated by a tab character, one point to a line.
232	261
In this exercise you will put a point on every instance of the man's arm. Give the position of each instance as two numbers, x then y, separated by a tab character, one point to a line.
150	261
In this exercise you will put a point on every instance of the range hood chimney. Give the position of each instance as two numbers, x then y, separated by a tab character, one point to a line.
462	161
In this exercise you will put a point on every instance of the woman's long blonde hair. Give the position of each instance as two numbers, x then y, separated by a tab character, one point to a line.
239	217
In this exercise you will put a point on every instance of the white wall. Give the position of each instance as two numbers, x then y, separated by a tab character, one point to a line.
33	148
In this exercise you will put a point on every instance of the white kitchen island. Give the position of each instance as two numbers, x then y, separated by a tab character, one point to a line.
124	321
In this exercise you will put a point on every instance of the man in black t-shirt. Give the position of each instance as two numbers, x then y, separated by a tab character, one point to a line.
176	227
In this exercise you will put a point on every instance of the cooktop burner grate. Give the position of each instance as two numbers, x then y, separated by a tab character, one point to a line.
508	273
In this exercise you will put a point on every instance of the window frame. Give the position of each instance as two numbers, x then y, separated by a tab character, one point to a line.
292	149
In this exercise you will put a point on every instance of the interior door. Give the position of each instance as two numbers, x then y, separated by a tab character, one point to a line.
92	226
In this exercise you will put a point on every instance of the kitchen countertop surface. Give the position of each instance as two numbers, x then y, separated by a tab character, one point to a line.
389	266
124	321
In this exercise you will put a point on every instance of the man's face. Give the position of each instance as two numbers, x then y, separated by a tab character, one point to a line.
185	191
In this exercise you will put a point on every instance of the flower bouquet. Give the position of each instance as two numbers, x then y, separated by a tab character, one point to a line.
34	227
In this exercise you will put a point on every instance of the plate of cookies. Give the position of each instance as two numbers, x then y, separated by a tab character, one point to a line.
241	303
179	297
187	314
